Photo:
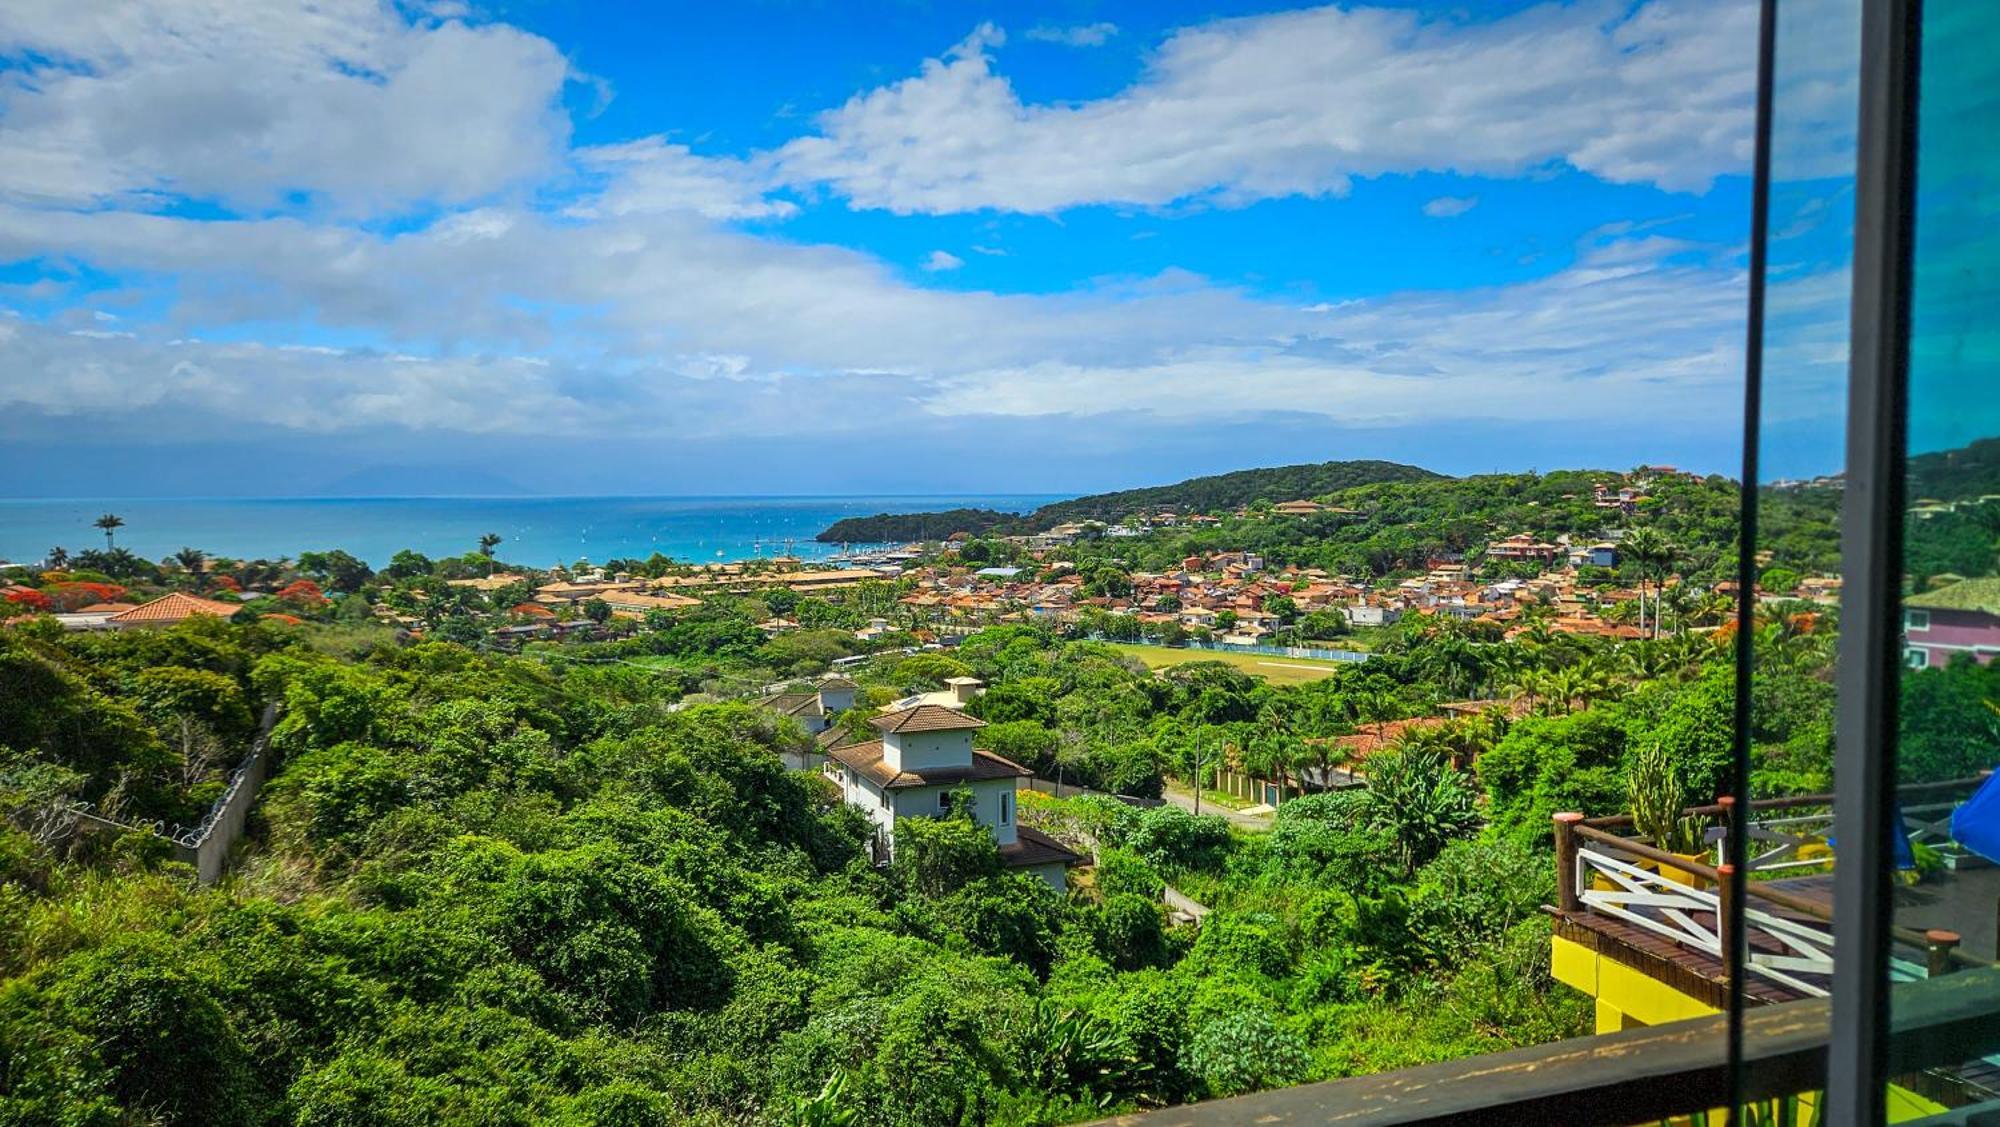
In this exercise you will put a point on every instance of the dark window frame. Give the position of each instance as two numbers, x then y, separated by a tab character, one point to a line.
1871	627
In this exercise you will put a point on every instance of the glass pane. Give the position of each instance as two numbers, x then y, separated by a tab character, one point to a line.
1801	449
1948	889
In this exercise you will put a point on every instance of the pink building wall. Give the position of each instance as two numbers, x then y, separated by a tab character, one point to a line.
1952	632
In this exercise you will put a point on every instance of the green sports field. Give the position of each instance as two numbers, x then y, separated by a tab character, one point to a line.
1277	670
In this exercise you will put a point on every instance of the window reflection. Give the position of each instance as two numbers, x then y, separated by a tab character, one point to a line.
1947	892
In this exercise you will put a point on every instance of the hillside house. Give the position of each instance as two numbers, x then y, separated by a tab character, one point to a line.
924	755
179	606
1521	546
1962	618
815	710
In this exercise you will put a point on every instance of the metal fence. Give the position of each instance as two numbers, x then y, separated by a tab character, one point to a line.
1313	652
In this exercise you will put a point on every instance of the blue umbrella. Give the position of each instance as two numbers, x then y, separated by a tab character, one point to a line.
1976	822
1906	859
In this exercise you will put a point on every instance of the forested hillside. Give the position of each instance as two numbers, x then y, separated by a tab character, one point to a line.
887	528
493	889
1229	490
1195	495
1966	473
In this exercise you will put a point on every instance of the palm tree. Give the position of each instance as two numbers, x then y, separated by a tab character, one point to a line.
487	543
110	523
1649	552
195	564
58	558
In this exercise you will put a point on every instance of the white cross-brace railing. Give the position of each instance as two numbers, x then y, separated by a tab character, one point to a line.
1647	900
1785	835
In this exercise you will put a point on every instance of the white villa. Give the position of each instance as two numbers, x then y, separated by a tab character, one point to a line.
818	709
925	754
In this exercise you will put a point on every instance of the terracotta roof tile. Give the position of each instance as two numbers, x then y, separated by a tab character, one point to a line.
866	760
174	607
925	718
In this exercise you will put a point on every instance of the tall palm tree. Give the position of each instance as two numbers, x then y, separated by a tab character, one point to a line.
110	523
1649	552
487	543
195	564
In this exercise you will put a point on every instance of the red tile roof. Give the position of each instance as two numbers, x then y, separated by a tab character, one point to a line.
925	718
866	760
176	607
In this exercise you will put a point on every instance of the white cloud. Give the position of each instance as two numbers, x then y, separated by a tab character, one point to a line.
344	101
652	175
640	309
1561	351
1299	103
662	325
1446	207
1075	35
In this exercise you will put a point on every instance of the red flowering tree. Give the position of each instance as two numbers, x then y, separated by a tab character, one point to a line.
74	596
303	592
225	583
29	599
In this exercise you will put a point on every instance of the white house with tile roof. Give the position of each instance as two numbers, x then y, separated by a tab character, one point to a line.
924	755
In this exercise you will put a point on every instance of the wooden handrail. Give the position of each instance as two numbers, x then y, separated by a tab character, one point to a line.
1805	906
1713	809
1650	852
1616	1079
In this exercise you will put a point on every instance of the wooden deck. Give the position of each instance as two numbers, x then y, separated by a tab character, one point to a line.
1966	901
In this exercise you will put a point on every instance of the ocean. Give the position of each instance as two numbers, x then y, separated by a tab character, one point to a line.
535	531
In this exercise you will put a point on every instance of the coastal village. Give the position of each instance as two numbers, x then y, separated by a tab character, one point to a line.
1219	598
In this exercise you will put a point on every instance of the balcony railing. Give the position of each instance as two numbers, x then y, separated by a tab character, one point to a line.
1637	1076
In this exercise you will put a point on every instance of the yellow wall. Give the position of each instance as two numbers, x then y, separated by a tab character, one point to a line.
1627	999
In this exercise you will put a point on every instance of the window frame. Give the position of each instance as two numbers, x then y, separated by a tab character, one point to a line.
1871	635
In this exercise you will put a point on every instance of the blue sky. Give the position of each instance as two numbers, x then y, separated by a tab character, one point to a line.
806	248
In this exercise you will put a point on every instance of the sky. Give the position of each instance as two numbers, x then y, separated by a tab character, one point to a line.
811	248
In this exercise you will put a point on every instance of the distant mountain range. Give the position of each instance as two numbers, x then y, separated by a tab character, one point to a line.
1196	494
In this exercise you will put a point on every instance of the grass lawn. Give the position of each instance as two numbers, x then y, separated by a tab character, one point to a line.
1277	670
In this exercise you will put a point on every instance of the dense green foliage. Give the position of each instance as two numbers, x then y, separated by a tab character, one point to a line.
884	528
485	888
1401	526
1229	491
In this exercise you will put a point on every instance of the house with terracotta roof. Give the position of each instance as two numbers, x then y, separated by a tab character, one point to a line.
1521	546
924	755
178	606
815	710
96	616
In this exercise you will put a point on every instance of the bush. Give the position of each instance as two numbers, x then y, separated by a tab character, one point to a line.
1172	838
1246	1052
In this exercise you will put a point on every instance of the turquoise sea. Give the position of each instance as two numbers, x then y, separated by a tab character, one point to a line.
535	531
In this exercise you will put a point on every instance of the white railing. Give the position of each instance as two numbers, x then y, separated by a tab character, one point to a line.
1667	908
1785	836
